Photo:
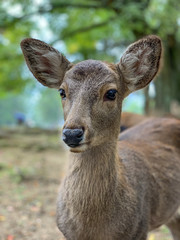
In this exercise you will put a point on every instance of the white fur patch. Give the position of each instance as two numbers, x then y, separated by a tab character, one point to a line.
47	60
134	65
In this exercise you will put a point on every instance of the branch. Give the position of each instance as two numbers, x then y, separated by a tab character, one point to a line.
88	28
108	5
77	5
43	10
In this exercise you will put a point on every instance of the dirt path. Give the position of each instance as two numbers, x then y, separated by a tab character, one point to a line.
32	165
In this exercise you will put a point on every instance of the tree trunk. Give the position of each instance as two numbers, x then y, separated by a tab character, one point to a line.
147	101
168	83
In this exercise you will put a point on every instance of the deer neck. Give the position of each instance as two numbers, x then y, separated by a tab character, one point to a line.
93	174
95	160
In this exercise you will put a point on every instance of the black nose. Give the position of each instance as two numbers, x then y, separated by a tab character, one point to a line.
72	137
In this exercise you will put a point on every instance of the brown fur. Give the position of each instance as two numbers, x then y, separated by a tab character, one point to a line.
131	119
114	189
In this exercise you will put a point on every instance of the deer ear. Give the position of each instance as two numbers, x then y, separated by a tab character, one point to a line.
140	63
46	63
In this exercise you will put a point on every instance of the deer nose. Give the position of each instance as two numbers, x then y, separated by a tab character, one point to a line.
72	137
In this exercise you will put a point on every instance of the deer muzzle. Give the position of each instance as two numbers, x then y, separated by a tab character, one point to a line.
73	137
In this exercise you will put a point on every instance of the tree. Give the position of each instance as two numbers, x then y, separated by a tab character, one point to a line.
92	29
47	110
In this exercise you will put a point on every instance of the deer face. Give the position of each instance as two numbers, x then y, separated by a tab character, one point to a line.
91	96
92	91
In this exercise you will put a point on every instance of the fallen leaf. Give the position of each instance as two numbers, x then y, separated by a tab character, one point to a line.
35	209
10	237
151	237
2	218
52	213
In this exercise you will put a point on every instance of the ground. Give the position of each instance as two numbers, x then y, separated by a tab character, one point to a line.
32	164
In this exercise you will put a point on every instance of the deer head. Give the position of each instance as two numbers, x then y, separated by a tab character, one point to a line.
92	91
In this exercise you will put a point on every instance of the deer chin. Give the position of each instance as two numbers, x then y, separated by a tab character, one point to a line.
81	148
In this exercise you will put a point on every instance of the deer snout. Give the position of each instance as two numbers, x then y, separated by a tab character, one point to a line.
73	137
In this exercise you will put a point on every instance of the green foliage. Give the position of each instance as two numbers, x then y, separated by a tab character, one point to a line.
163	16
85	29
14	26
9	105
47	109
129	105
81	25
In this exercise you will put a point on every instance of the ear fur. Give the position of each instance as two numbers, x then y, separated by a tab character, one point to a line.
140	62
46	63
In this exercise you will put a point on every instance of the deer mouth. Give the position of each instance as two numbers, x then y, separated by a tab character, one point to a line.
73	145
80	148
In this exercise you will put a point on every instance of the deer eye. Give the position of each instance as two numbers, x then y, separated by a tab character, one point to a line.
62	93
110	95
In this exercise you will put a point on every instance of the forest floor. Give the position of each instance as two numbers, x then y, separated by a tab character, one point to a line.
32	164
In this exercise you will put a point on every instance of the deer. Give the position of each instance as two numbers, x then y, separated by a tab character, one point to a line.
129	119
115	188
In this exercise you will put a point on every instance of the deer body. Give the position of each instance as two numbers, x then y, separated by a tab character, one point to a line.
130	119
123	193
113	189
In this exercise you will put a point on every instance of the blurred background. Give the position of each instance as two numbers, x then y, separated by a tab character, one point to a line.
30	159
